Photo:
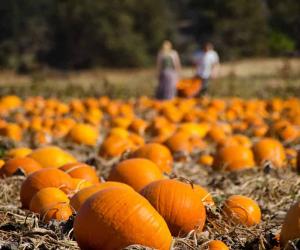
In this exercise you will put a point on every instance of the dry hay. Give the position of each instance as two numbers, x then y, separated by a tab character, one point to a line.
275	191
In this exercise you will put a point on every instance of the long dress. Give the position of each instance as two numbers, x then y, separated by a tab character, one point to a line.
168	77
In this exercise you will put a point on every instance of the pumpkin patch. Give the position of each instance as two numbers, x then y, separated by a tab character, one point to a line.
206	173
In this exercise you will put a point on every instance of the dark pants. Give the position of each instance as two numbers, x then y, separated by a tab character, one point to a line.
204	87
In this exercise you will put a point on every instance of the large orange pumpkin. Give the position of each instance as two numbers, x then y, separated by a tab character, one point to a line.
81	171
136	172
269	149
25	164
118	217
51	157
178	203
81	196
51	203
157	153
48	177
242	210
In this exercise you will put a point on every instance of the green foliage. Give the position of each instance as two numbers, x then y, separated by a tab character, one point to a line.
280	43
127	33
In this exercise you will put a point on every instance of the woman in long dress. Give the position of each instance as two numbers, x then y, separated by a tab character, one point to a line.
168	67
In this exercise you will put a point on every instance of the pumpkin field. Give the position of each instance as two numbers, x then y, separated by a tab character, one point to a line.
103	173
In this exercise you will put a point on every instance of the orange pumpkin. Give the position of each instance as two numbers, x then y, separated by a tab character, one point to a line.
242	210
51	203
178	204
79	184
269	149
81	171
84	134
81	196
157	153
103	223
25	164
136	172
48	177
217	245
233	158
51	157
18	152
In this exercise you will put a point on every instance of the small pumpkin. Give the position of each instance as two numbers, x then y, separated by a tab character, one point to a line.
242	210
269	149
217	245
84	134
51	203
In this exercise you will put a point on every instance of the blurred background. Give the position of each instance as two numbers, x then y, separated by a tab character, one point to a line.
105	34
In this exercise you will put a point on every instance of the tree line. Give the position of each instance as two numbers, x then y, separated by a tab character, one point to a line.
71	34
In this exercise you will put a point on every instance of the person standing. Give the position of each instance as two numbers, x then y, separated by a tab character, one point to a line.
207	65
168	69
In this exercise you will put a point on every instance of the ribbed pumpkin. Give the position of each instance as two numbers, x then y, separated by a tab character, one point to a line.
81	170
51	203
217	245
242	210
291	226
269	149
136	172
48	177
25	164
118	217
81	196
178	203
51	157
157	153
233	158
84	134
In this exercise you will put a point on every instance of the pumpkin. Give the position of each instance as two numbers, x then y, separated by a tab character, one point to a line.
233	158
12	131
51	203
81	171
290	227
115	146
179	142
51	157
269	149
25	164
115	218
18	152
217	245
157	153
47	177
136	172
10	102
79	184
242	210
84	134
178	204
81	196
206	160
204	195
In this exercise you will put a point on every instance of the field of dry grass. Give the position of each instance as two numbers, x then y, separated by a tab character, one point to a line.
262	78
